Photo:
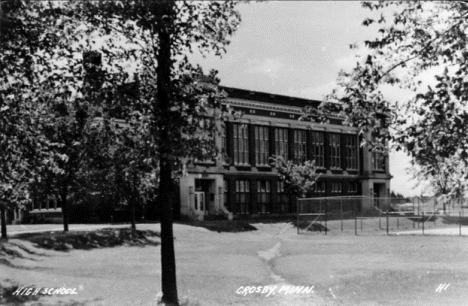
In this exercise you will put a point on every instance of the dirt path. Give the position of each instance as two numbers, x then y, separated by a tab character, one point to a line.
285	292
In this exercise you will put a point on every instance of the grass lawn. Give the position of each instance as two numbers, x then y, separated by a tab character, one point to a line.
371	269
380	270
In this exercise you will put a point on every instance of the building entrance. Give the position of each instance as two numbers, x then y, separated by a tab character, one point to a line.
207	200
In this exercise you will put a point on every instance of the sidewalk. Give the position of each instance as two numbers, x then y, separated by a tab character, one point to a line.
451	231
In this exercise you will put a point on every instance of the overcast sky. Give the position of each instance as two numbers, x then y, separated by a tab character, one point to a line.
297	48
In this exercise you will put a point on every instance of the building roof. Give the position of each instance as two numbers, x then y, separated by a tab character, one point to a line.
269	98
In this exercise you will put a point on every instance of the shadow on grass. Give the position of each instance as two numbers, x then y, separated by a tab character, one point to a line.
420	219
222	226
26	249
455	220
87	240
8	254
67	303
8	263
314	227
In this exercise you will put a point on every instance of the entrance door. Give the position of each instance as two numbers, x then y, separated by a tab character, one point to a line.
207	186
199	204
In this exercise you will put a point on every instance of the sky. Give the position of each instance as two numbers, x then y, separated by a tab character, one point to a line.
297	48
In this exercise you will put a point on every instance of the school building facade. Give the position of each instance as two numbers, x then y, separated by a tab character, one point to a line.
243	183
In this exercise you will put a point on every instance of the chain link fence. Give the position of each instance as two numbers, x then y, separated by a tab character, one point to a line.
364	215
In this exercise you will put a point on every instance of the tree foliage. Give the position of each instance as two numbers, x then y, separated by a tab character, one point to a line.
157	35
49	74
299	179
416	39
24	149
129	164
52	68
446	176
131	34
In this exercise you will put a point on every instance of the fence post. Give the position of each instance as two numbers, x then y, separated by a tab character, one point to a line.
459	219
326	229
423	222
355	223
398	222
297	216
380	222
387	221
341	214
419	215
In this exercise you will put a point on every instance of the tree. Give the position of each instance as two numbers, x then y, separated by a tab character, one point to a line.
155	35
132	166
160	33
420	39
445	176
299	179
73	131
52	71
21	145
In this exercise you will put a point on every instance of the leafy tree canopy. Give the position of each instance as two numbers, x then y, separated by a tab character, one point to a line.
299	179
142	41
416	39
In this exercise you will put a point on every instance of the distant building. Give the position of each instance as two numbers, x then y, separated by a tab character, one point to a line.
244	183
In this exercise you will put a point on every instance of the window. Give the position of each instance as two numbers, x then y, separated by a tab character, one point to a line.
319	189
263	197
336	188
281	143
300	146
352	188
318	148
224	145
335	151
241	144
226	195
283	198
261	146
378	161
243	196
351	152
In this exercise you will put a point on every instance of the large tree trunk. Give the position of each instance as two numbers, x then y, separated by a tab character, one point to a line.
65	211
3	220
132	207
169	283
133	199
163	75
